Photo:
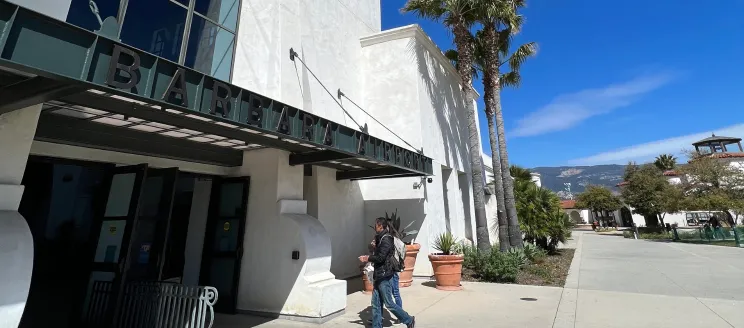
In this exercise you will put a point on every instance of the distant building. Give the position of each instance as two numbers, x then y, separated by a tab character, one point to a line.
726	149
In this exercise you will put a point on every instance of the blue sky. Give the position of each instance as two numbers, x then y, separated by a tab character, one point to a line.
615	81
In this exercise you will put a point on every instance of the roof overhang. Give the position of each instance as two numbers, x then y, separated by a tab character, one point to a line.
54	61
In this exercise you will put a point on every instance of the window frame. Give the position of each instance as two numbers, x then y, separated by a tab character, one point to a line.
190	12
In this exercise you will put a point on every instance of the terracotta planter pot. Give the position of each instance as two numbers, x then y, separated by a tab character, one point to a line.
447	270
406	277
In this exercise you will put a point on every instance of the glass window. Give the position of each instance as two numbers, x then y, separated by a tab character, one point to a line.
183	2
224	12
155	26
210	49
83	12
231	199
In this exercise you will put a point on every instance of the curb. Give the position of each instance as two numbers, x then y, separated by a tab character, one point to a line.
565	315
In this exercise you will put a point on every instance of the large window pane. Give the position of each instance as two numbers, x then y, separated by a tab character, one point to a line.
224	12
155	26
82	12
210	49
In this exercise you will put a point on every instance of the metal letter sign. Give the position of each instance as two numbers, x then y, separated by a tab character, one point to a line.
132	70
179	89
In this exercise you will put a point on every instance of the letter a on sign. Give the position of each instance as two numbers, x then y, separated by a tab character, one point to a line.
177	86
283	125
328	136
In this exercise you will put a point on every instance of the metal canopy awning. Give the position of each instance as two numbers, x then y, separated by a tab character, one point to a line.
94	86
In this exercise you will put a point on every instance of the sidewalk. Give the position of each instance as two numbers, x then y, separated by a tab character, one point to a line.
478	305
617	282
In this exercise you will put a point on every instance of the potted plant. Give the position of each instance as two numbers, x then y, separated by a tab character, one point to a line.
447	264
412	250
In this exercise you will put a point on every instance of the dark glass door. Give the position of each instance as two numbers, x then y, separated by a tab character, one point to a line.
223	242
150	231
132	235
113	226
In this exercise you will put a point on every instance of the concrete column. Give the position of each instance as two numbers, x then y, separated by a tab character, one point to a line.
272	282
17	131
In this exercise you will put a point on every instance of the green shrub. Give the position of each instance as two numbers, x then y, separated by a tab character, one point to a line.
471	257
628	234
534	253
499	267
655	236
519	256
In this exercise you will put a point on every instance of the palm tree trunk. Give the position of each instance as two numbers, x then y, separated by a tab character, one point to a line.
464	43
491	65
515	234
504	242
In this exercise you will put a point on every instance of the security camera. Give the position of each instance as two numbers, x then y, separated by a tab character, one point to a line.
429	180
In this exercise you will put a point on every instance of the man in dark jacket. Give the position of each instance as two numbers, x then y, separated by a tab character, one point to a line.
382	259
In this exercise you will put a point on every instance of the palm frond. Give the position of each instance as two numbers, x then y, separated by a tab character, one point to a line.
453	57
511	79
521	55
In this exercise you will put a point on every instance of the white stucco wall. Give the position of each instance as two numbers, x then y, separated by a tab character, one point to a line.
414	91
340	208
17	130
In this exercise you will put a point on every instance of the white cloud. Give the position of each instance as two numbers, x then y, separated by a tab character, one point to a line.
568	110
647	151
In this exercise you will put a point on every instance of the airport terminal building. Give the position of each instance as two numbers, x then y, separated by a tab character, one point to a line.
241	145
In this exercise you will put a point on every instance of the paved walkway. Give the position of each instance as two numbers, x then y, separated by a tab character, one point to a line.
617	282
613	282
478	305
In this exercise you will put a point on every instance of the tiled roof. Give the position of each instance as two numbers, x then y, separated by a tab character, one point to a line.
568	204
624	183
670	173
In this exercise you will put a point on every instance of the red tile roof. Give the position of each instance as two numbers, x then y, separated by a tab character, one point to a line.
624	183
568	204
670	173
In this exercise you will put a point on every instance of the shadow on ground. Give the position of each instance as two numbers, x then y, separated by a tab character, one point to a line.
366	315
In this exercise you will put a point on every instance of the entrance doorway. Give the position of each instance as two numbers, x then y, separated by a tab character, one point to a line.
98	227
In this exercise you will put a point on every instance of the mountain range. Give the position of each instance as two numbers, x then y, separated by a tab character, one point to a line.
556	178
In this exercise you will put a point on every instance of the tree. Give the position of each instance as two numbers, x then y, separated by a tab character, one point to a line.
502	226
599	200
650	194
712	184
540	215
665	162
501	21
458	16
520	173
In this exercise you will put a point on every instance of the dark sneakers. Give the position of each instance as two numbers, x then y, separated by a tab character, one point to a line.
413	322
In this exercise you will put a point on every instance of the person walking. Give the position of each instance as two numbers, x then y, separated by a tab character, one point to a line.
385	268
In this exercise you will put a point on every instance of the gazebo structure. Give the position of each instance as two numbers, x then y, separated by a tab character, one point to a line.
717	144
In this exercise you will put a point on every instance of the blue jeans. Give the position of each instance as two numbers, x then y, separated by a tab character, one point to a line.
383	294
395	281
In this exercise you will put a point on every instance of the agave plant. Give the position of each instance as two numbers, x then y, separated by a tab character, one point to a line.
446	243
395	223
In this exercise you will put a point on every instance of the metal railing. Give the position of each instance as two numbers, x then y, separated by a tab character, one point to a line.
153	305
709	235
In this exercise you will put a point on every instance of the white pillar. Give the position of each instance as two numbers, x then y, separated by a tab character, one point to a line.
271	282
17	131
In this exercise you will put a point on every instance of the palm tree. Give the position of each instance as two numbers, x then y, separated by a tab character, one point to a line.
502	225
500	20
665	162
457	15
519	173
